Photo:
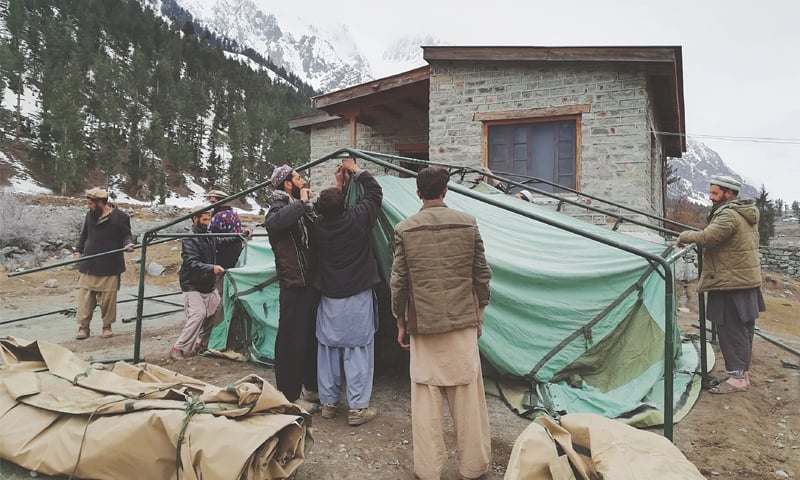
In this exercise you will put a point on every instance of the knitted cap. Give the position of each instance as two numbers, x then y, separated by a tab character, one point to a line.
280	175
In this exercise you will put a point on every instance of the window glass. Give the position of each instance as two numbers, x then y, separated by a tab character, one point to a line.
540	149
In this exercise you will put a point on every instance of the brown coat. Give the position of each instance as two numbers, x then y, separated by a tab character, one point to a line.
439	275
730	247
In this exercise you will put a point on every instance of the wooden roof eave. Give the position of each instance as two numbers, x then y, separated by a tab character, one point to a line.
551	54
305	123
370	88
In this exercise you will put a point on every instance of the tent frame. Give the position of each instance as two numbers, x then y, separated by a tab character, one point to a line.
658	263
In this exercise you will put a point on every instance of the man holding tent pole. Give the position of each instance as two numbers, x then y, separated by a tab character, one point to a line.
440	287
346	275
731	276
288	222
198	277
224	220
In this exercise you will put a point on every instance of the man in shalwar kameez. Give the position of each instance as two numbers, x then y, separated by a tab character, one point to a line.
731	277
440	287
347	273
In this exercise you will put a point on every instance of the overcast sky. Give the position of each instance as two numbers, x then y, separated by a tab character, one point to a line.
741	70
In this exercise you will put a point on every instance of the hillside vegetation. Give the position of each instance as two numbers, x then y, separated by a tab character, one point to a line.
106	92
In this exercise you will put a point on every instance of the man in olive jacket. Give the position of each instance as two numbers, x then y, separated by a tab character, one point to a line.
440	287
731	277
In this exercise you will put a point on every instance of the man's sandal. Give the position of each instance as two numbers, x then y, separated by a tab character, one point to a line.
725	387
83	332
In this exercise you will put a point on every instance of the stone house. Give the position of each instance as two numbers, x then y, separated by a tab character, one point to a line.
600	120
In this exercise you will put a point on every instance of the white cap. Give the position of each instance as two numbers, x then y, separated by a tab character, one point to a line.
725	182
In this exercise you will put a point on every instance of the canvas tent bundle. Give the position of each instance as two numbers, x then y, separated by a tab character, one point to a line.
578	323
62	416
589	447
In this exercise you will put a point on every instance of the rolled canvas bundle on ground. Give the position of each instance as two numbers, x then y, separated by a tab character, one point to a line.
584	446
62	416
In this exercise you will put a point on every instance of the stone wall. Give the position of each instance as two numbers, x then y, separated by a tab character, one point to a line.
784	260
380	137
616	147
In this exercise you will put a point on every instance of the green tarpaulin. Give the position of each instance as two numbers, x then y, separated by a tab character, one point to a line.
579	322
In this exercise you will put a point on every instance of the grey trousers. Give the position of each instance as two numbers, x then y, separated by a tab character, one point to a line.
735	313
358	364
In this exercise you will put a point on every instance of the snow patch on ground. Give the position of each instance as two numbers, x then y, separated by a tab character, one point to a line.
22	181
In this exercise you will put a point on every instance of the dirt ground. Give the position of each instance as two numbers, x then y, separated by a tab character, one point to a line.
753	435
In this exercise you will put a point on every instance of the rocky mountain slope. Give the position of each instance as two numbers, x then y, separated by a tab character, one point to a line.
693	170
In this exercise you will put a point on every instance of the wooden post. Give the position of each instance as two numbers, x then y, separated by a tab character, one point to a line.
353	129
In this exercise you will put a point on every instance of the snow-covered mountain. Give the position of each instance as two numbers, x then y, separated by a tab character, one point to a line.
325	57
693	170
403	54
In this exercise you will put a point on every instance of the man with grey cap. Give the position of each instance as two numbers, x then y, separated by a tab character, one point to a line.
731	277
105	228
288	222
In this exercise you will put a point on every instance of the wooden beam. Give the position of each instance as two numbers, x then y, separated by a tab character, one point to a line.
552	54
305	123
420	147
353	132
532	113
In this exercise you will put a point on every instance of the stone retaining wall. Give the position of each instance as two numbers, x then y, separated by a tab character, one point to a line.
784	260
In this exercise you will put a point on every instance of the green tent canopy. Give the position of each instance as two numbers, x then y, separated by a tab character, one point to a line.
573	325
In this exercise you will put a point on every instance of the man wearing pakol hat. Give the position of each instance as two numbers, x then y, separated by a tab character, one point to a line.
288	222
105	228
731	277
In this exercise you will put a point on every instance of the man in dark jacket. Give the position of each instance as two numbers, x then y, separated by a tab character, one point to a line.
288	223
346	274
223	220
198	276
105	228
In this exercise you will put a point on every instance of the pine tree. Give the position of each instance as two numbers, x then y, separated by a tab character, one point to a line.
780	208
14	70
796	210
124	92
766	221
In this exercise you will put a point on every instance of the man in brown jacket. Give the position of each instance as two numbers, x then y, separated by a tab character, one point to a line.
440	287
731	276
